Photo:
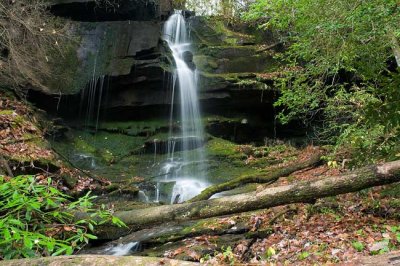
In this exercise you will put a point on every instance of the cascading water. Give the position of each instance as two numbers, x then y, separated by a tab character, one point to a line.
187	170
123	249
92	98
89	113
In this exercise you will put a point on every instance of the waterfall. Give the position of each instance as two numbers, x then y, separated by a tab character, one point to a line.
91	100
188	174
123	249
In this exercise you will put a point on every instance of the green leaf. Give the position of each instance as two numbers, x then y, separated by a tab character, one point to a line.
28	243
50	245
6	234
304	255
28	215
91	227
70	250
358	246
59	251
24	223
16	222
270	252
91	236
15	233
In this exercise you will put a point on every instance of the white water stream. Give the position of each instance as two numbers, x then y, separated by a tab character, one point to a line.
123	249
184	169
187	170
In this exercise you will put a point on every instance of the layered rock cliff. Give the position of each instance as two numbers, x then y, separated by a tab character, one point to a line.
123	43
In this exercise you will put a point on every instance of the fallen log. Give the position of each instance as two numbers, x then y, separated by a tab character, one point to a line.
392	258
305	191
96	260
264	178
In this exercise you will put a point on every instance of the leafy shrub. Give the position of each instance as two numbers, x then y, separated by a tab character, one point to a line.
357	245
37	219
340	78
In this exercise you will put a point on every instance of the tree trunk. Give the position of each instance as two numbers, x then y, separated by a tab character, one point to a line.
97	260
392	258
305	191
396	49
265	178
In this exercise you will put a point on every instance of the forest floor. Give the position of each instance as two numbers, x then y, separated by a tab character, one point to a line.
338	229
25	150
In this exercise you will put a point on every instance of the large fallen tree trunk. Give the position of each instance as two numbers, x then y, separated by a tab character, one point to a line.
392	258
306	191
96	260
265	178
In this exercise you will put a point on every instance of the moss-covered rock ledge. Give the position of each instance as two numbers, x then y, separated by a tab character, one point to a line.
98	260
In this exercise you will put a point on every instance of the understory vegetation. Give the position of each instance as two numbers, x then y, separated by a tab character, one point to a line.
38	220
343	79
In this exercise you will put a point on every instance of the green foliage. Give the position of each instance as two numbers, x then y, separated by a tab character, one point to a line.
358	246
38	220
304	255
396	231
338	82
270	252
228	255
332	35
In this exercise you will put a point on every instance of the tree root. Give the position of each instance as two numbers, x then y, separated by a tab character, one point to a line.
280	214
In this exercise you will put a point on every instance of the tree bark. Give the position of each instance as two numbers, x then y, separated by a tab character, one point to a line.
97	260
396	49
392	258
305	191
265	178
7	167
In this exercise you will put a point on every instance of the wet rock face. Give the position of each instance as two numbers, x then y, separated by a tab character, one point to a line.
161	146
90	10
127	52
124	45
188	58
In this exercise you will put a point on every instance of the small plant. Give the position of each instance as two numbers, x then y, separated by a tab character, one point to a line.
360	232
358	246
205	258
333	164
270	252
304	255
37	219
396	231
323	247
381	247
228	255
